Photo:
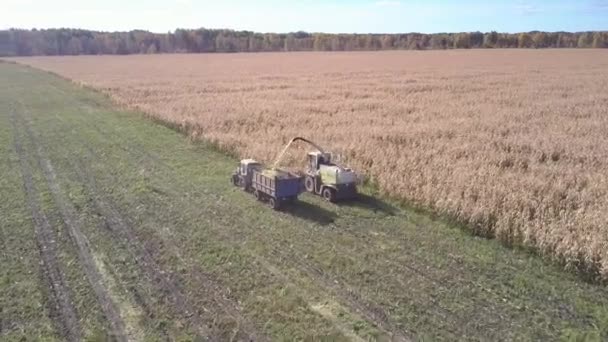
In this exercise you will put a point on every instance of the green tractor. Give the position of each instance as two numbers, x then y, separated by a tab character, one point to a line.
323	177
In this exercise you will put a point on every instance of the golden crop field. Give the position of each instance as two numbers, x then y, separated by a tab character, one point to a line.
512	142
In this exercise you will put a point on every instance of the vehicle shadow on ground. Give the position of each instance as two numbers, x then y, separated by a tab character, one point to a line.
310	212
372	203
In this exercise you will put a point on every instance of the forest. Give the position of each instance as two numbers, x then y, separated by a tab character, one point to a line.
35	42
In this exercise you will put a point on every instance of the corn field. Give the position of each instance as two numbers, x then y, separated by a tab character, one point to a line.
513	143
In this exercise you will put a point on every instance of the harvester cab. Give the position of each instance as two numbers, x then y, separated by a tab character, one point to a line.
316	159
329	180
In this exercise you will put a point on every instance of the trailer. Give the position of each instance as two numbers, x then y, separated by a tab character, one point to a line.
276	187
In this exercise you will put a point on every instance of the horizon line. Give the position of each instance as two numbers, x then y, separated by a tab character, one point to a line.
287	32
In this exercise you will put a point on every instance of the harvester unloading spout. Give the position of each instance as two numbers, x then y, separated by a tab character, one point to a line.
280	156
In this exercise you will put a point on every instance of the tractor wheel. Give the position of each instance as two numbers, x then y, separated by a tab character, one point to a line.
329	194
274	203
235	180
309	184
257	195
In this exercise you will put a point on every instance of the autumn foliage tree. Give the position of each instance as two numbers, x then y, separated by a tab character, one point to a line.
16	42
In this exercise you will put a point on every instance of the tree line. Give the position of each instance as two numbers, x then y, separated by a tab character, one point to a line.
18	42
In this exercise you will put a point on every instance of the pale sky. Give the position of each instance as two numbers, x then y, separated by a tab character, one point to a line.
333	16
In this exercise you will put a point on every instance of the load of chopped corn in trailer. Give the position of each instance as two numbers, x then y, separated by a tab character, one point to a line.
277	187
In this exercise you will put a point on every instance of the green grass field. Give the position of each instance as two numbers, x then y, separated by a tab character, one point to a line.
115	226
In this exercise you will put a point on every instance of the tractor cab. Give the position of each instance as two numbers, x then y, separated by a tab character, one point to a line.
243	174
316	159
247	166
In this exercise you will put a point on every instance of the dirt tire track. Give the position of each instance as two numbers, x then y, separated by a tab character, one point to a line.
346	295
142	256
144	303
60	298
117	224
69	215
446	314
2	262
356	301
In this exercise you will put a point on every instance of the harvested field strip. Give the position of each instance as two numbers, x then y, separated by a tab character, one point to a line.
117	329
167	287
39	300
156	275
22	250
60	298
